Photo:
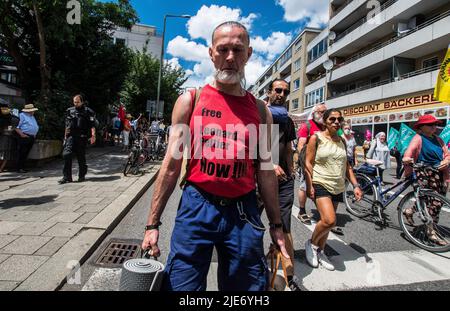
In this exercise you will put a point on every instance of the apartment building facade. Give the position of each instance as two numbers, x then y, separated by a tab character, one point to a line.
290	66
140	36
385	61
9	88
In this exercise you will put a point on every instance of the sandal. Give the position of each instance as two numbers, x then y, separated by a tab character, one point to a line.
408	213
304	218
434	237
337	230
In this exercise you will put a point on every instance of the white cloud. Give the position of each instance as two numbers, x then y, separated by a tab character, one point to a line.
188	50
203	23
255	68
314	10
273	45
201	26
174	63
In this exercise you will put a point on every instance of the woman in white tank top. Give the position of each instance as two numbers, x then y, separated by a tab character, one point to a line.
326	171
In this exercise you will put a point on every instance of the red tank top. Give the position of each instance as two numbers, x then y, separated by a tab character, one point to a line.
224	131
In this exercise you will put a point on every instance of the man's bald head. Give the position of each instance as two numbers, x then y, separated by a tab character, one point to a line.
231	24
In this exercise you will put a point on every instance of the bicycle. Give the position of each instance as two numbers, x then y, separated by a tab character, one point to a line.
157	145
136	159
417	225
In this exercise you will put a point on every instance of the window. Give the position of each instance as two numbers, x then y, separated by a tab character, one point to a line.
295	103
120	41
13	78
430	62
286	56
318	50
296	84
315	97
298	45
297	64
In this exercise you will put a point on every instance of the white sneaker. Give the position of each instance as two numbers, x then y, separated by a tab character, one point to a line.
325	261
311	254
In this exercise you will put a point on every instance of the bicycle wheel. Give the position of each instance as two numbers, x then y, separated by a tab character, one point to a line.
363	207
127	168
131	162
417	230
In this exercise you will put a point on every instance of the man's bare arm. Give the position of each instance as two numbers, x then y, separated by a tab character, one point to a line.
268	187
267	180
170	167
301	143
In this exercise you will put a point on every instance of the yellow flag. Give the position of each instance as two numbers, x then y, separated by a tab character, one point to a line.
442	88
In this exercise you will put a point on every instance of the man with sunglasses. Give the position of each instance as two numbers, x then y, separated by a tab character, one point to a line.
314	125
284	169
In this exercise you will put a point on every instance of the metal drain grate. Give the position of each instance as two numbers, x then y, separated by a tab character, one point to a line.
117	252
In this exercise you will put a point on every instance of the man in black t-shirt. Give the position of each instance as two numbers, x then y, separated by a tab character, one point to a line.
278	92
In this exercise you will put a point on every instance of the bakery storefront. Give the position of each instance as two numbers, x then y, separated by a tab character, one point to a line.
381	116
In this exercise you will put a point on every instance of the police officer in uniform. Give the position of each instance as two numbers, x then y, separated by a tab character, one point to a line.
80	126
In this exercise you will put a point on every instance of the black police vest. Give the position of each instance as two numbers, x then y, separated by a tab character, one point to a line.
80	121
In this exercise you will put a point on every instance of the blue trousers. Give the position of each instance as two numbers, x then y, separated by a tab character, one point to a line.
199	227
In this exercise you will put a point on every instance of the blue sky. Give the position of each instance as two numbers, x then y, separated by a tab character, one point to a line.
273	24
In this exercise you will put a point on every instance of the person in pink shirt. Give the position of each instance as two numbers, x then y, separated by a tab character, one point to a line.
315	125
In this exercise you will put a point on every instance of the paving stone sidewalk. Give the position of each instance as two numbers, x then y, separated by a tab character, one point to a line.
45	228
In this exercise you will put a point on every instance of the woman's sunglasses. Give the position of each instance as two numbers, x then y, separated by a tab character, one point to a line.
333	119
279	91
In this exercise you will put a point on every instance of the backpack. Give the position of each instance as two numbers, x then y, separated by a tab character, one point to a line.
185	164
302	153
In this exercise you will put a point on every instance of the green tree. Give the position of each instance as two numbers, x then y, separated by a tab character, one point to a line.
142	81
56	60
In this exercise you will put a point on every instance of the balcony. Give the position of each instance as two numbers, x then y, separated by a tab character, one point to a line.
264	84
343	6
316	84
429	36
348	14
286	67
366	31
412	82
362	21
317	63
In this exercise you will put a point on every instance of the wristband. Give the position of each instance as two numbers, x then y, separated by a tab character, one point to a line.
153	227
275	226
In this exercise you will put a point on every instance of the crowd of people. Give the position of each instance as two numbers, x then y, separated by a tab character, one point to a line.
17	135
223	197
124	132
219	209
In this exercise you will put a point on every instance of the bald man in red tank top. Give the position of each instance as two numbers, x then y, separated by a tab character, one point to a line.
218	208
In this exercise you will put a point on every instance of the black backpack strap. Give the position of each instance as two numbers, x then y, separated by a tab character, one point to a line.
196	96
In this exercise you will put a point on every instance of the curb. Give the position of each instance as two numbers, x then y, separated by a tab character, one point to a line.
86	242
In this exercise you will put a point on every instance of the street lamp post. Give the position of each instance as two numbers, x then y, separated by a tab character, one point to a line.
162	59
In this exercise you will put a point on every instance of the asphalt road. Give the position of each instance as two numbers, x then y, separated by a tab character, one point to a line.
364	249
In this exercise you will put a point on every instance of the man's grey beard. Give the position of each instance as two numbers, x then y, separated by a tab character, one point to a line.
318	118
230	77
